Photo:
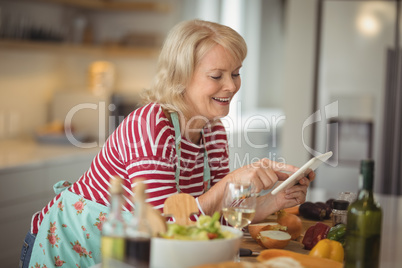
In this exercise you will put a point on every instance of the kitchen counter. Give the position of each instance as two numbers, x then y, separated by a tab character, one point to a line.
17	154
391	237
28	170
27	166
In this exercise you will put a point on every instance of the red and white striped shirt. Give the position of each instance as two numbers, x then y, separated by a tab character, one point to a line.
143	146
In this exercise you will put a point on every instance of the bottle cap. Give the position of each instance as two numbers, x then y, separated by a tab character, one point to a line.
340	204
367	174
367	164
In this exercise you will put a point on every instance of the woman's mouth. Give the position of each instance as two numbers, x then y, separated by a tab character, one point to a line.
225	100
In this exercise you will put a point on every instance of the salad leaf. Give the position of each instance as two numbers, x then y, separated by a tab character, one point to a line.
206	228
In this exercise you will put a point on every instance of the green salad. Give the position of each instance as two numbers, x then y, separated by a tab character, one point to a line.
206	228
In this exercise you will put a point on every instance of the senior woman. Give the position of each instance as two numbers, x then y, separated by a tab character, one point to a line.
176	142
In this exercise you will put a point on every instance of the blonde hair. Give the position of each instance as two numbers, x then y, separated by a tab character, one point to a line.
183	48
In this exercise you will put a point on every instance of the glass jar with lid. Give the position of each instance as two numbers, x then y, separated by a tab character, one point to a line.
339	211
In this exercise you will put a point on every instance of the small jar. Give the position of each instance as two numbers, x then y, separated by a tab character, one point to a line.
339	211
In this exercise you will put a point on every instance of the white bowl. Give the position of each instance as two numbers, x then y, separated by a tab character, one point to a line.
167	253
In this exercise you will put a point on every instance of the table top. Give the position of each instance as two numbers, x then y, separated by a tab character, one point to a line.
296	245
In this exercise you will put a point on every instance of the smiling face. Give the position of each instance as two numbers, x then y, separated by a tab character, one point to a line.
215	81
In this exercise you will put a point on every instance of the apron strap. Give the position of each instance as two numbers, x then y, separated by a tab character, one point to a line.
60	186
207	170
177	133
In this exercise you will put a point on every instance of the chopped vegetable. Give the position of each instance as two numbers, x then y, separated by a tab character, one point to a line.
312	211
274	239
206	228
293	210
328	209
337	233
254	229
292	222
314	234
329	249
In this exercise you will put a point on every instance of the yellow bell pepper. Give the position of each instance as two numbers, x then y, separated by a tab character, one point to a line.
329	249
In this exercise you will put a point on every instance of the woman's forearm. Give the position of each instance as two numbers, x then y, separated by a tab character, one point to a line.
211	201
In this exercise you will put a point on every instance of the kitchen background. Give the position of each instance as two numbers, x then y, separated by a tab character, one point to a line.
320	75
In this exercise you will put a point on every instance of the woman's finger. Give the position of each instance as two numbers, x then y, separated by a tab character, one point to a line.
304	181
291	195
261	174
278	166
297	187
258	184
268	177
299	195
311	176
282	175
250	173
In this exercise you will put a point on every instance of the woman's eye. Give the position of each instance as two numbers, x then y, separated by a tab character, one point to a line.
235	75
216	77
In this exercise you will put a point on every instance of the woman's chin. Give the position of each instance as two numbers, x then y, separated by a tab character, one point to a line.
221	115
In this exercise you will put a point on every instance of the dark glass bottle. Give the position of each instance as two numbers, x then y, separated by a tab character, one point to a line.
139	233
363	231
113	229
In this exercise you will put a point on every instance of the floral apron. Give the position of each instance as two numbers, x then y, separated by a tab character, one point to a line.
70	232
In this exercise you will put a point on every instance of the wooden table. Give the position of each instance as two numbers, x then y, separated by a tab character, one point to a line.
296	246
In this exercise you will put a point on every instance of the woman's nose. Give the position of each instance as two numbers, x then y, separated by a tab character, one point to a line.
231	84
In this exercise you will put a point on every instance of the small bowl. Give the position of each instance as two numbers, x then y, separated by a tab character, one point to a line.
187	253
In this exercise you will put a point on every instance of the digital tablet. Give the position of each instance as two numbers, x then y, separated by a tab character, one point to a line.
311	165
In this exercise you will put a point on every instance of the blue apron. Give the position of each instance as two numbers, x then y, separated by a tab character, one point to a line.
70	232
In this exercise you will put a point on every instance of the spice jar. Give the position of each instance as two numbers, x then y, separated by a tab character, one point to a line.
339	211
101	77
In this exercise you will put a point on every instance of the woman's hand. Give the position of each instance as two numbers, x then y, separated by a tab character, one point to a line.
264	173
295	195
290	197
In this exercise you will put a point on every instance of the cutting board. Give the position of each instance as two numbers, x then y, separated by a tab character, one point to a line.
181	207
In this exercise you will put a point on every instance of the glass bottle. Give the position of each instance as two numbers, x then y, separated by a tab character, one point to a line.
363	231
139	233
113	229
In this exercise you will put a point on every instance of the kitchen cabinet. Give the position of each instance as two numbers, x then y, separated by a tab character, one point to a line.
96	51
27	174
153	6
25	30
